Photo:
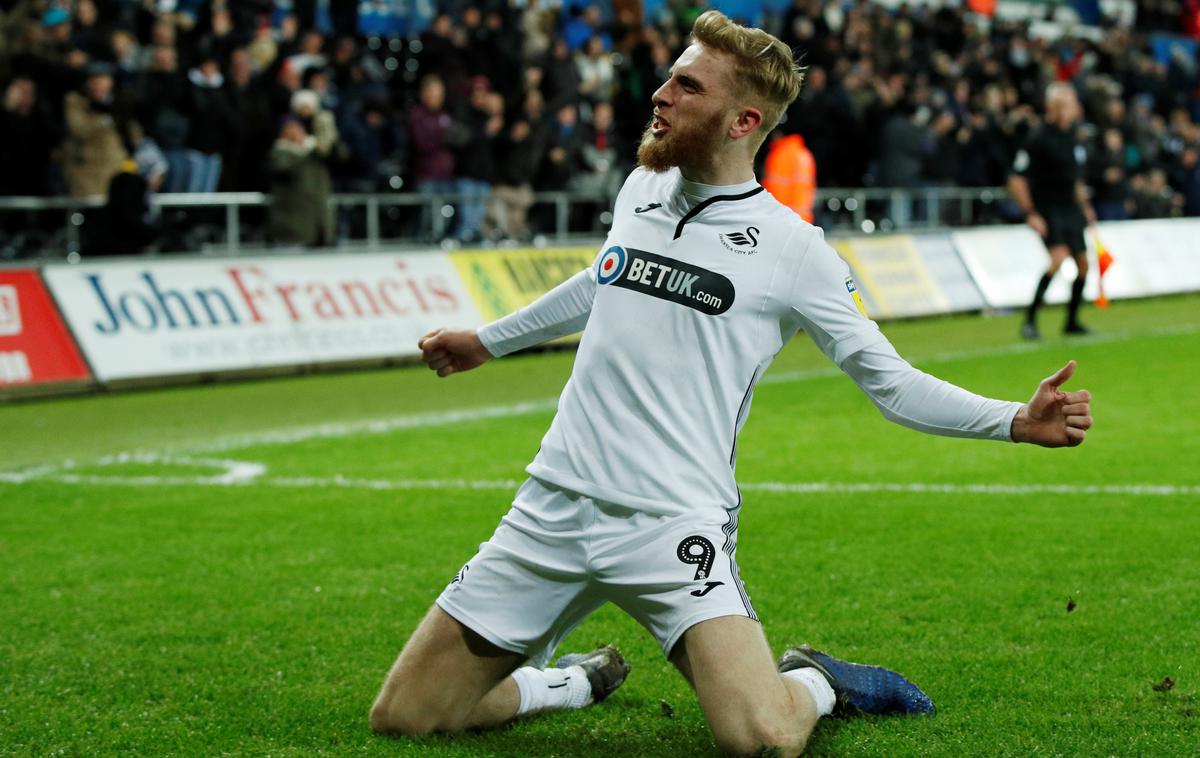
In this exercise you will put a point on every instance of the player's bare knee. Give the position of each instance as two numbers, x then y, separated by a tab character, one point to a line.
761	738
397	718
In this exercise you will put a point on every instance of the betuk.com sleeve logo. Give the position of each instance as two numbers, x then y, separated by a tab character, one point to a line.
666	279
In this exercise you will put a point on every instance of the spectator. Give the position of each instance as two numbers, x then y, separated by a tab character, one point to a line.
127	56
163	111
378	148
560	77
318	122
536	23
1185	179
46	55
86	34
93	151
601	170
288	82
309	54
433	156
211	121
942	165
904	146
1153	198
483	121
128	224
252	132
519	153
475	44
300	187
584	22
597	78
221	39
824	116
162	35
262	49
317	79
439	55
1108	178
28	134
562	150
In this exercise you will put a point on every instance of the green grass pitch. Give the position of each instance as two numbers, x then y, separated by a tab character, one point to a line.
150	607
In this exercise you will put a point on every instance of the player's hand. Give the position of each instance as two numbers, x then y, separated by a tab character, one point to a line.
449	352
1037	223
1054	418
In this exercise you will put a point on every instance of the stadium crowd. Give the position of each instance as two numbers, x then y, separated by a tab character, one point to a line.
498	99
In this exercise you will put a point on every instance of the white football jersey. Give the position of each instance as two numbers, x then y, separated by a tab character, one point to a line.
694	292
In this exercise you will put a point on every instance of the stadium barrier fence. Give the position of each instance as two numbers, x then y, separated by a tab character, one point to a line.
54	228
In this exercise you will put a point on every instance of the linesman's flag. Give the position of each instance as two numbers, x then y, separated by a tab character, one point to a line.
1105	259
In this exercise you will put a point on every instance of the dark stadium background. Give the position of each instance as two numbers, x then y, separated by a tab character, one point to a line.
911	96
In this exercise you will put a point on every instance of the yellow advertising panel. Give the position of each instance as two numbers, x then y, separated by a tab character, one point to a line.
894	276
501	281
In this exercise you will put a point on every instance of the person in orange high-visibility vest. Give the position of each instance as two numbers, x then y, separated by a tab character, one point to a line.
792	175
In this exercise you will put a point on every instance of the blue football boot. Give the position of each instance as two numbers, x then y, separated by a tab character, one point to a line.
860	688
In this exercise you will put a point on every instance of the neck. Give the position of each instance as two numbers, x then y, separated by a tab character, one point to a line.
719	172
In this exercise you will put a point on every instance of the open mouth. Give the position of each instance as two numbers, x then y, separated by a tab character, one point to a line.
659	126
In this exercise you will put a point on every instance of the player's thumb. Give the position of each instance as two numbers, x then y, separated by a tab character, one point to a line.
1061	376
430	341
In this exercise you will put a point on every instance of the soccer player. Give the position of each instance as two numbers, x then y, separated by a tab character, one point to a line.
632	497
1047	183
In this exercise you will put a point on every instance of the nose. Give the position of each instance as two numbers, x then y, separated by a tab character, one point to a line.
661	97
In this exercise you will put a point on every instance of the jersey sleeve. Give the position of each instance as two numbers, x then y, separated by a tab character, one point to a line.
561	311
825	302
1023	158
912	398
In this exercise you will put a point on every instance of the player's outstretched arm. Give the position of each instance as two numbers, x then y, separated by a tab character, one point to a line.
1053	418
451	352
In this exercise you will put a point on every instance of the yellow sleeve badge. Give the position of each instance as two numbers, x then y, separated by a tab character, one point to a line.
853	290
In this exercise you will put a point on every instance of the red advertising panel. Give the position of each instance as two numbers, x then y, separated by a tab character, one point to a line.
35	347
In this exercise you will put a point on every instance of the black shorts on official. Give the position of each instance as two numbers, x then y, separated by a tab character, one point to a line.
1064	226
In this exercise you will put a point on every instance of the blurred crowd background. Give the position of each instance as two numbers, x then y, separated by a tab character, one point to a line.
495	100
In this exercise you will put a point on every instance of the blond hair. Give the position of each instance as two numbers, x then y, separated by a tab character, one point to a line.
761	62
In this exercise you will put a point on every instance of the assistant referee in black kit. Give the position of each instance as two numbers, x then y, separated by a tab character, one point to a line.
1046	182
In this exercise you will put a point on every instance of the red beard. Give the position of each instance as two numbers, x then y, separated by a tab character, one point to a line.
681	145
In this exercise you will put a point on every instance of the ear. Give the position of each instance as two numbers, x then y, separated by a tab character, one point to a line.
748	120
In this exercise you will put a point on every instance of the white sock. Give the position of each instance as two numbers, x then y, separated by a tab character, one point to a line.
552	689
817	686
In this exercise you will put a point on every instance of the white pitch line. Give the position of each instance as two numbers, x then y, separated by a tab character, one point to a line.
508	485
447	418
375	426
804	488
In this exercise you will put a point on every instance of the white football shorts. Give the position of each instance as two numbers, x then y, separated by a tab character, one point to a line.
557	556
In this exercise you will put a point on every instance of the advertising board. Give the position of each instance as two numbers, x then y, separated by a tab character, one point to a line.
35	346
162	318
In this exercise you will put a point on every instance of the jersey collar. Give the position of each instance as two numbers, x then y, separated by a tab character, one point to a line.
697	196
695	192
